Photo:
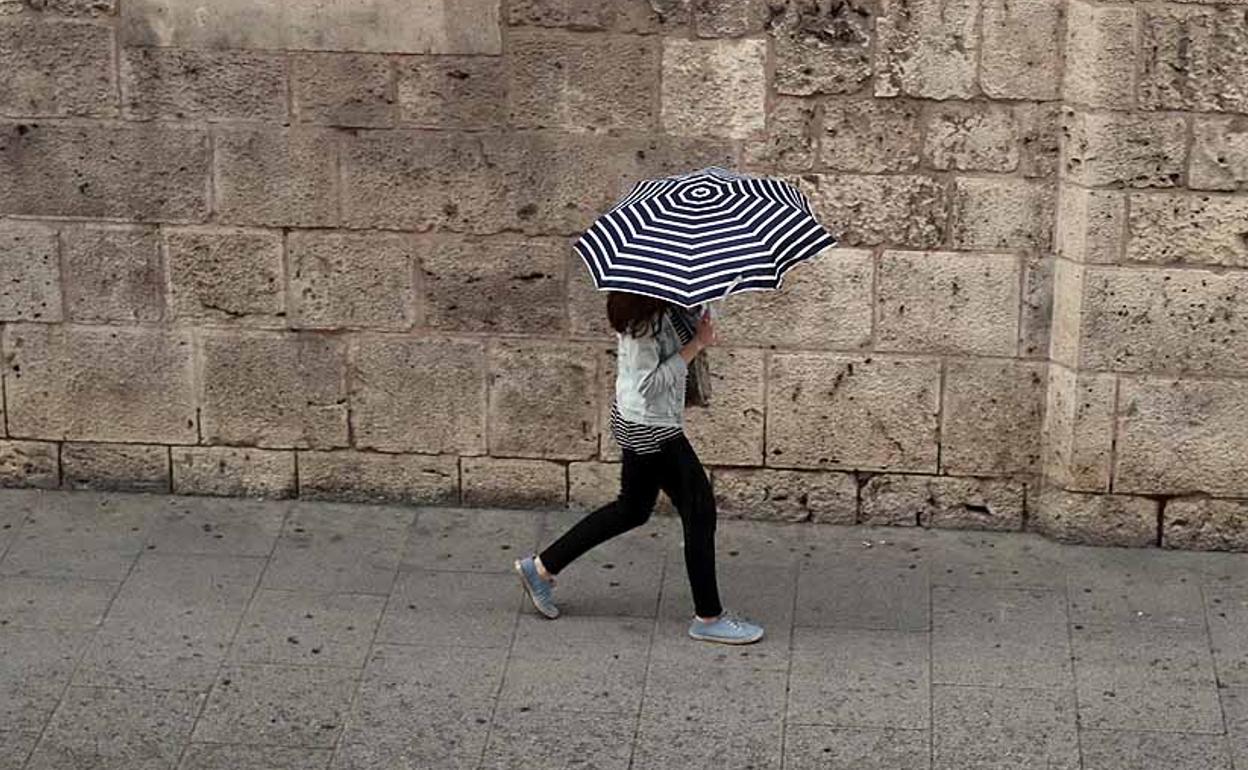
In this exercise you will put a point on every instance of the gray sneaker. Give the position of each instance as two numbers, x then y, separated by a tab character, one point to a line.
537	587
728	628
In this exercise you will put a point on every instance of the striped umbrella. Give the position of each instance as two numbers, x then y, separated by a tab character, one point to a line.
697	237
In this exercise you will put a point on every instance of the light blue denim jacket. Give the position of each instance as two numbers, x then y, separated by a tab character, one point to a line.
650	377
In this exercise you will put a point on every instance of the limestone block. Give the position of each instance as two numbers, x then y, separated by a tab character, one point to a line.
899	210
1036	317
1135	150
1090	224
579	83
1182	436
29	464
270	389
1020	58
70	8
730	430
714	87
352	280
1219	153
971	137
418	394
1193	58
505	284
1077	437
942	501
587	307
451	91
1068	294
283	177
927	48
99	384
225	275
822	48
636	16
729	18
1177	229
1040	133
343	89
773	495
502	483
233	472
592	485
871	135
113	273
1205	524
789	140
993	413
180	84
1093	519
396	26
1165	320
370	477
115	467
55	69
948	302
146	172
1003	213
31	289
830	411
1100	56
825	303
543	400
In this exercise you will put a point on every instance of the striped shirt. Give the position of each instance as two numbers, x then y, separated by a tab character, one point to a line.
649	439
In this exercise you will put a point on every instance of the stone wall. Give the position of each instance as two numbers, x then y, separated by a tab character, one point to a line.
296	248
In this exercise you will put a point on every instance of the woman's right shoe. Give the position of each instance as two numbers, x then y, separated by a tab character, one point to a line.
728	628
538	588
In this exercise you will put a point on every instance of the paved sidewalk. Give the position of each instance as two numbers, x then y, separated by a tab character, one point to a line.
145	632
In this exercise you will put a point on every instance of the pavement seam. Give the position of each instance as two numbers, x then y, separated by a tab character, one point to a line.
1074	671
788	673
645	677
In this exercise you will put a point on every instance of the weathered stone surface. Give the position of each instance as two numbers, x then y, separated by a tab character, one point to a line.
397	26
927	48
828	411
579	83
115	467
1193	58
452	91
729	18
29	464
902	210
871	135
31	289
1077	437
277	177
1100	56
352	280
587	307
542	400
153	173
1090	224
993	412
822	48
942	501
500	483
185	84
825	303
971	137
97	384
1020	58
343	89
1040	133
113	273
1205	524
1176	229
71	8
714	88
773	495
637	16
368	477
789	141
947	302
1182	436
1002	213
1068	293
1135	150
418	394
1219	153
498	284
273	390
55	69
1165	320
231	472
730	431
225	275
1036	316
1074	517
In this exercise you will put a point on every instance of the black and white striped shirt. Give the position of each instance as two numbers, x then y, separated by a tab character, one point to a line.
649	439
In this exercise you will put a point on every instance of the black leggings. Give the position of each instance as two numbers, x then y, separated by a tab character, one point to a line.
676	470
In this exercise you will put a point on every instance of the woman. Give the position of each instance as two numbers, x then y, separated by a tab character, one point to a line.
657	341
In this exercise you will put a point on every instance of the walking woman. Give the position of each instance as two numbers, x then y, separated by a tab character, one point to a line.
657	341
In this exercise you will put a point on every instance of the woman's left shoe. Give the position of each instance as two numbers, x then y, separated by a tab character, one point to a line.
537	587
728	628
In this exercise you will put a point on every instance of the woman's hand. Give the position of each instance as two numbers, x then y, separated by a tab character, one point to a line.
703	338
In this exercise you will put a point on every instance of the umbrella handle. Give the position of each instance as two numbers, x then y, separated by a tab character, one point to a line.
712	307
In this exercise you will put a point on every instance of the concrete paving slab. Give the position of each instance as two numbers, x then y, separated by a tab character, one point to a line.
470	540
278	705
35	667
819	747
1226	608
531	739
307	628
697	745
1126	750
1126	585
1000	637
15	747
997	728
216	525
713	694
53	602
82	535
337	547
620	577
856	596
224	756
471	609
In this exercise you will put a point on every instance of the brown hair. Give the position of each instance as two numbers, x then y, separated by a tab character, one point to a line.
634	314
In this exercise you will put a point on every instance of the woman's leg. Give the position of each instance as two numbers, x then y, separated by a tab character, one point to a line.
639	489
684	480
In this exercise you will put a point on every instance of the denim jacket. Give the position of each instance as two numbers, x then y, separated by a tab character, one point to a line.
650	377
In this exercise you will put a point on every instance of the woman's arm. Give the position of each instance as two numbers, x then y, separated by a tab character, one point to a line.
669	371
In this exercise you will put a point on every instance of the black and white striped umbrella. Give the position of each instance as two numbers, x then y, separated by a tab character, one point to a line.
697	237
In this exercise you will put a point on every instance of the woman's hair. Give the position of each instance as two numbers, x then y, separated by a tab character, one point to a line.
634	314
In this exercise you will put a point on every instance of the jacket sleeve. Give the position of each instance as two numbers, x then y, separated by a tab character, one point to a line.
666	376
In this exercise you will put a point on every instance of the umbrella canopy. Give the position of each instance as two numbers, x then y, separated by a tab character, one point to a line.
697	237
